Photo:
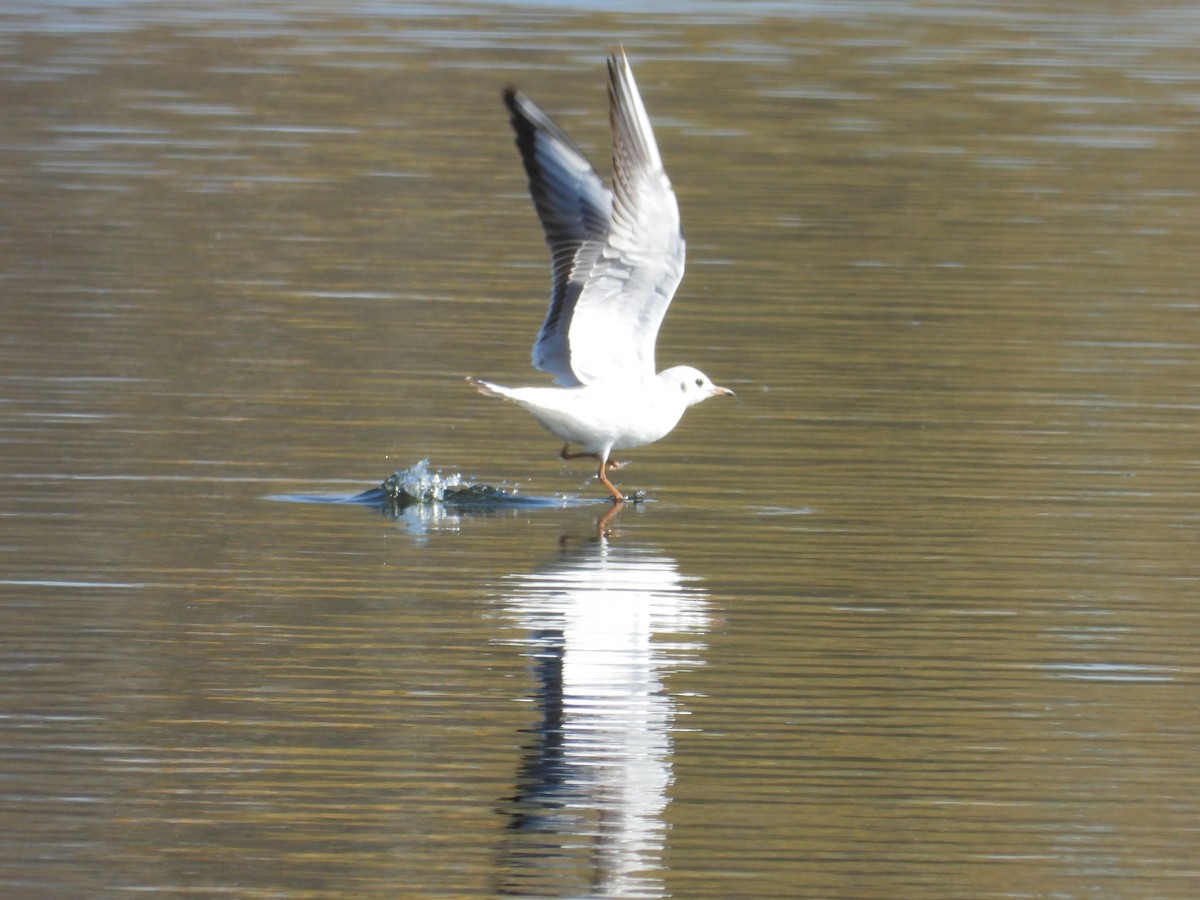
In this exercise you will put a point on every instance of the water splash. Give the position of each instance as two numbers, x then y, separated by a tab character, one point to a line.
418	484
427	492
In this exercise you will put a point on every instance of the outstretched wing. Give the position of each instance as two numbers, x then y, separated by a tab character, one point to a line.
575	209
616	259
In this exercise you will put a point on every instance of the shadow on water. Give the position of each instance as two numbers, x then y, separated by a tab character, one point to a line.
419	485
421	497
603	625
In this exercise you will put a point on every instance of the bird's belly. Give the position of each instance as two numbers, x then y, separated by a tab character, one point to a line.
638	434
593	421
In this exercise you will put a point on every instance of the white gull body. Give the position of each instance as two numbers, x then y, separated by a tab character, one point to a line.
617	258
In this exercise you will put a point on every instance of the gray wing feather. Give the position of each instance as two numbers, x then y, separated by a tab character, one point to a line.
575	209
617	257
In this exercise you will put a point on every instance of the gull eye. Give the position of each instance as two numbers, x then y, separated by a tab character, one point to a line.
699	382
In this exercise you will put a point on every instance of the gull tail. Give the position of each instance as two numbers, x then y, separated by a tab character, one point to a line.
487	388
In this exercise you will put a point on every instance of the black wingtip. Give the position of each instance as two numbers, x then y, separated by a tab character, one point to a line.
519	116
519	112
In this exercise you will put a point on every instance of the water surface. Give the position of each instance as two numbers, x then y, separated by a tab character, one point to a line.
913	616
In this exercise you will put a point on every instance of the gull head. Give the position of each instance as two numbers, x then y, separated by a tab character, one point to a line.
693	385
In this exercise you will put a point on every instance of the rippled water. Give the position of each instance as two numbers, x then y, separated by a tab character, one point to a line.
914	616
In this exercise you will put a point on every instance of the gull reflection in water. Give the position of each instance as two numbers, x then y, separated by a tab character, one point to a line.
604	625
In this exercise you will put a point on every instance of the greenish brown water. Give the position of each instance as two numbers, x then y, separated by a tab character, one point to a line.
915	616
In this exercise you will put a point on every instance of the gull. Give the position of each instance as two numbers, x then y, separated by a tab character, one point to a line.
617	257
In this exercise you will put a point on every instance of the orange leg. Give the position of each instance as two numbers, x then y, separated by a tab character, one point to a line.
566	453
610	463
618	497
